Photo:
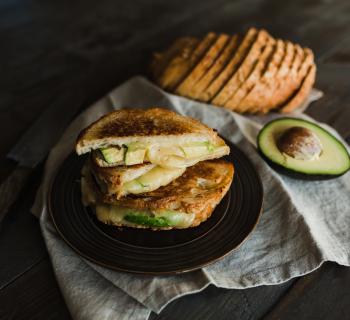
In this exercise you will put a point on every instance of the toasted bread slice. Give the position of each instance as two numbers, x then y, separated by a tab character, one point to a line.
253	78
183	67
163	59
303	92
202	66
186	202
243	70
145	126
254	100
167	75
140	178
198	90
231	67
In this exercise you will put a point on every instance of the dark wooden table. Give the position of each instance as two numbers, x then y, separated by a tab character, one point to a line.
51	47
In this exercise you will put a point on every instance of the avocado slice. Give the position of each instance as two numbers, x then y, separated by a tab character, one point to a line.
302	149
147	220
197	149
135	154
113	154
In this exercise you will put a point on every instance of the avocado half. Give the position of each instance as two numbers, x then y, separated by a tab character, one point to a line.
332	161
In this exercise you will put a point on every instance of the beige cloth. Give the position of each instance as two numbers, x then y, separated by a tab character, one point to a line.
303	223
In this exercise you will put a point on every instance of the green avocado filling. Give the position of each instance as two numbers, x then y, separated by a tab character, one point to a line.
147	220
113	154
210	147
129	216
135	153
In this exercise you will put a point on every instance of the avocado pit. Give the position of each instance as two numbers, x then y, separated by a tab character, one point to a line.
300	143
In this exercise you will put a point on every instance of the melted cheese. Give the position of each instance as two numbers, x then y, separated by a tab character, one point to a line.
182	157
152	180
115	215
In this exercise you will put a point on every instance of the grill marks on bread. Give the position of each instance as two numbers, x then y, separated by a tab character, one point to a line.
154	124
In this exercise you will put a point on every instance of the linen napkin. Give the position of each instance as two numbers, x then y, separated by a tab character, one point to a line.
304	223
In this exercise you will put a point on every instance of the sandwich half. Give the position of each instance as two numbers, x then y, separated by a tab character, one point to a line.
185	202
157	136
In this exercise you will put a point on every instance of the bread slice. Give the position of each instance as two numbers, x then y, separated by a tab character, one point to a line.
299	72
253	77
192	197
184	66
243	70
173	63
231	67
146	126
278	86
303	92
124	180
302	60
163	59
291	81
199	89
286	81
202	66
254	100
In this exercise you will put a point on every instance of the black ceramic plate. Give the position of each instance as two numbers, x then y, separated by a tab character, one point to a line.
157	252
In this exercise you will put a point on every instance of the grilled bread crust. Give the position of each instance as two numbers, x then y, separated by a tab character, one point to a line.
155	125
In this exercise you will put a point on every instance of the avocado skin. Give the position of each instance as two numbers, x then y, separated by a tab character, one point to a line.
296	174
290	172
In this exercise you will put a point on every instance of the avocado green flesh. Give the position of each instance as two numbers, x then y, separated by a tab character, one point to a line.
333	160
131	217
113	154
175	156
135	154
147	220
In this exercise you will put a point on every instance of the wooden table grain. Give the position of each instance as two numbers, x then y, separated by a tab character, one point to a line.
48	45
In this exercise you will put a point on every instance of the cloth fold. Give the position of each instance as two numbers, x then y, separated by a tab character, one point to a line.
303	224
